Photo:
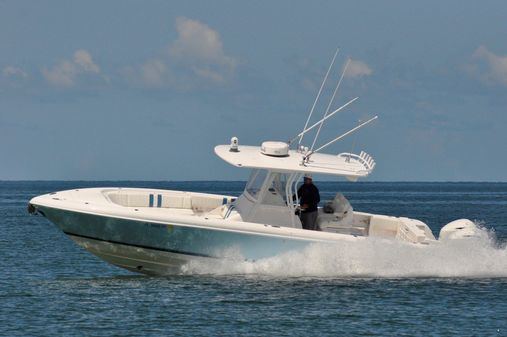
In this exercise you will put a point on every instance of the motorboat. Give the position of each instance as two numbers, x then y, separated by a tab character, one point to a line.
157	231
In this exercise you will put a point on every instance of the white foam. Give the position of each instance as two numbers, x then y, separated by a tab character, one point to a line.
471	258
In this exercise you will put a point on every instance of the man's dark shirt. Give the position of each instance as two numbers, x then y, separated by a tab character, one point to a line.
309	195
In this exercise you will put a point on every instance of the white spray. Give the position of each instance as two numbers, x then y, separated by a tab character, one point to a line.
479	257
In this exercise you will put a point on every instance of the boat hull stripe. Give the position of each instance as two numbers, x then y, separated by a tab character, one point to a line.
139	246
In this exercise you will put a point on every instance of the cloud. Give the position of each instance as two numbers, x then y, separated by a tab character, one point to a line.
66	72
195	58
14	72
357	68
154	72
198	44
210	74
83	59
200	50
488	66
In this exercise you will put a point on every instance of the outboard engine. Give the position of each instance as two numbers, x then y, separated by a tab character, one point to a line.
459	229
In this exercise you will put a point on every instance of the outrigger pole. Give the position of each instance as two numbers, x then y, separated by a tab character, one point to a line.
330	103
322	120
307	156
317	98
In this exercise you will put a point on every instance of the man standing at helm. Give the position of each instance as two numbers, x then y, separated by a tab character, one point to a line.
309	198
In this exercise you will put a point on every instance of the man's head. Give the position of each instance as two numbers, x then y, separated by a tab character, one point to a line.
308	178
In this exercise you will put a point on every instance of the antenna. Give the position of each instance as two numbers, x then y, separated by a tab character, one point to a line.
318	95
307	156
330	102
323	119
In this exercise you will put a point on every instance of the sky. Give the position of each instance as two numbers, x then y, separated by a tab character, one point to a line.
144	90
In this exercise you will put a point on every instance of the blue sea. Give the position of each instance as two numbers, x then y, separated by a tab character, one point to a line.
51	287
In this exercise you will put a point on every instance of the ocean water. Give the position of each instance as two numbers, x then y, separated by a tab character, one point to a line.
51	287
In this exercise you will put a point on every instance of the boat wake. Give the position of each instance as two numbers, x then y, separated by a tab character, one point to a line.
479	257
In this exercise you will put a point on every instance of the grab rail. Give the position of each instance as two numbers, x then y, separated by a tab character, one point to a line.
364	158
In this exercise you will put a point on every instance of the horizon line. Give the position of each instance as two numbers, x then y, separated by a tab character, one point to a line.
244	181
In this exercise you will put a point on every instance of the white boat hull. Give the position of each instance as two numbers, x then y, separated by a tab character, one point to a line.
154	239
136	259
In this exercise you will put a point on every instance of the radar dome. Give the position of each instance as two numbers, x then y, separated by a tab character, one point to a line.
275	149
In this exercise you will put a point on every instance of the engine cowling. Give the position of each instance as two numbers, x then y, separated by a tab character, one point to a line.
458	229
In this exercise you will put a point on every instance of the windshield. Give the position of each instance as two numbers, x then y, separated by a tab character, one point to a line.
276	194
255	182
